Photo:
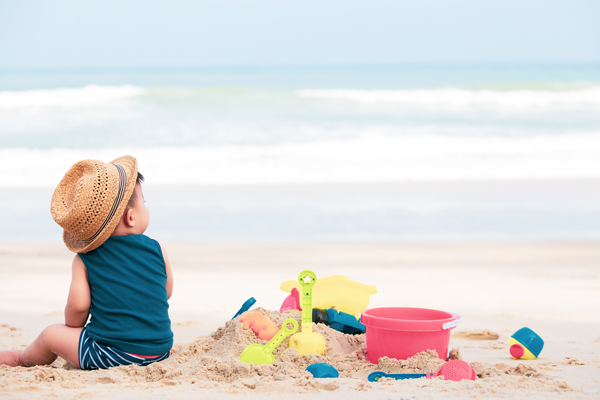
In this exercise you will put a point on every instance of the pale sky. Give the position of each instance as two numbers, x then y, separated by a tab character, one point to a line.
133	33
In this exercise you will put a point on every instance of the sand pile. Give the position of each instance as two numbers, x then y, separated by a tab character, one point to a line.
215	358
212	362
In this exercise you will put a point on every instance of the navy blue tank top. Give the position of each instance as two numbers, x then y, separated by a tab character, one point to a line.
127	277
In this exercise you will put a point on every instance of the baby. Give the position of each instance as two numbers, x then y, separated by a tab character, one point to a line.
119	276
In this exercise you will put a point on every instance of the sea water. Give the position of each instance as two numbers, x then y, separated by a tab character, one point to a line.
465	143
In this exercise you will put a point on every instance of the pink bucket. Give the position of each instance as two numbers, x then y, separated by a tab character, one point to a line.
402	332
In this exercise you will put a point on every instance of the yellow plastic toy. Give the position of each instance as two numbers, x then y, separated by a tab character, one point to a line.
259	354
525	344
338	292
307	341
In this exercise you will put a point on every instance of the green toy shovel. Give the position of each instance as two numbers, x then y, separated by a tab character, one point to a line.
307	341
259	354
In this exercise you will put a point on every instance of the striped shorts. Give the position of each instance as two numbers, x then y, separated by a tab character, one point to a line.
93	355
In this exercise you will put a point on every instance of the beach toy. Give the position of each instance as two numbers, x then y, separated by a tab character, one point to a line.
259	354
455	370
245	307
292	302
344	322
307	341
323	370
340	321
525	344
402	332
320	316
260	324
338	292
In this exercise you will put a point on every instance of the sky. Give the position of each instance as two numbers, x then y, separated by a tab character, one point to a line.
134	33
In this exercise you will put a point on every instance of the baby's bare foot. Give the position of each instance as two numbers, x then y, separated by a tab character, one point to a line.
10	358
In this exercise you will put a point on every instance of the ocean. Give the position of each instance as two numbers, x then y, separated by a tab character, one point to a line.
338	153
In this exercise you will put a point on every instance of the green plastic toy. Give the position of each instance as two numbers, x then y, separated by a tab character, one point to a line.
307	341
259	354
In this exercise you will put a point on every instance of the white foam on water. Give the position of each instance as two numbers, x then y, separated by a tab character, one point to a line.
368	159
462	98
91	95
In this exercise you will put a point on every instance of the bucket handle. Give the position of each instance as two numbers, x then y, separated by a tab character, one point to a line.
452	324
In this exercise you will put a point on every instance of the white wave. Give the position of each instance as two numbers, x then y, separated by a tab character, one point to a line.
461	98
360	160
90	95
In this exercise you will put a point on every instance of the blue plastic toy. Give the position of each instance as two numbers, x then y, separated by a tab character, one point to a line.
245	307
525	344
340	321
344	322
323	370
377	375
453	370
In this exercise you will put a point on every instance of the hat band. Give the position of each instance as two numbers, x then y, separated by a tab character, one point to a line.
122	182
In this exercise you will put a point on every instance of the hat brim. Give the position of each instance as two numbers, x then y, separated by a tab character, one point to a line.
76	245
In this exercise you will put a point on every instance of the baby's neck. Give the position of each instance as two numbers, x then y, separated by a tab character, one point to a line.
123	230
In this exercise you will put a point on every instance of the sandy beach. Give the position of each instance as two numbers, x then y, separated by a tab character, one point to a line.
497	288
419	148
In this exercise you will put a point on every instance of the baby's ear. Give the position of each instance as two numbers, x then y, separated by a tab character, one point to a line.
128	217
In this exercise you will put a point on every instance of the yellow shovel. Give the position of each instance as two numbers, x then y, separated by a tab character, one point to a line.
307	341
259	354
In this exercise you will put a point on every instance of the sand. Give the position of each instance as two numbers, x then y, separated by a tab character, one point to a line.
497	288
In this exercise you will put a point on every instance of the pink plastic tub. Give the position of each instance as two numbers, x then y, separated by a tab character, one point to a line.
402	332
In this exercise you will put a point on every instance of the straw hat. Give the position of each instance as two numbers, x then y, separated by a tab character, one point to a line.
90	199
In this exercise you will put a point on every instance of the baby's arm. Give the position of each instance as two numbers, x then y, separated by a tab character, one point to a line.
169	273
78	303
59	340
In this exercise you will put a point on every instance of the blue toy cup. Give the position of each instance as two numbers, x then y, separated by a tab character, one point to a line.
525	344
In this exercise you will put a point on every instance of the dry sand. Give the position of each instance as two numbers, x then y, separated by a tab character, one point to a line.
553	288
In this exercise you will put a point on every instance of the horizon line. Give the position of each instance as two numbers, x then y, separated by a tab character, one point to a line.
225	67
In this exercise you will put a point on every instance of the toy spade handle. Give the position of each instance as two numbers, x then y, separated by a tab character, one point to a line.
283	332
377	375
307	298
245	307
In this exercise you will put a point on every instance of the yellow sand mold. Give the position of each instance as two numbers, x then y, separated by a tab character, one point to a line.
337	292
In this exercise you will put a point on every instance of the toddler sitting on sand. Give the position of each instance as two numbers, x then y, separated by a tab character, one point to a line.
119	276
